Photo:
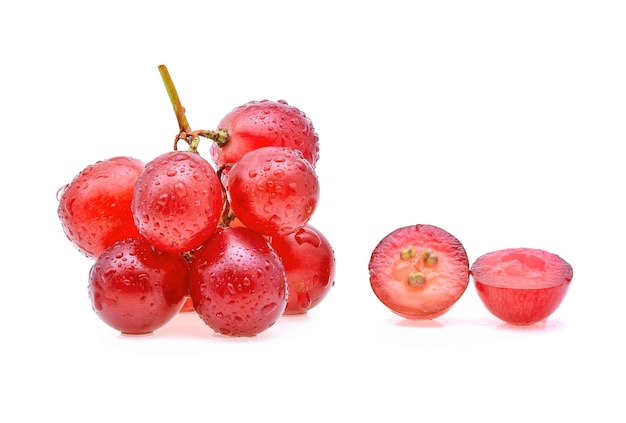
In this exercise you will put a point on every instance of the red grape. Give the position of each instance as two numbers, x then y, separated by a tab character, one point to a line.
264	123
94	208
135	288
237	282
419	272
309	262
273	190
178	201
521	285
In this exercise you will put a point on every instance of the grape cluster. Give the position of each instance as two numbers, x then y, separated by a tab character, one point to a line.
230	240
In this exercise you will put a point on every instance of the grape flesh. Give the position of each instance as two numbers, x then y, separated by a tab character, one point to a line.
266	123
135	288
273	190
178	201
238	283
419	272
95	207
309	262
521	286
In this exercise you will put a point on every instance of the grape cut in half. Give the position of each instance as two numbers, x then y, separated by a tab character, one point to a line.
521	286
419	272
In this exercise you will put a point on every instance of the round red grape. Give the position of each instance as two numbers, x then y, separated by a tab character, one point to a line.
95	208
273	190
178	201
264	123
136	289
309	262
237	283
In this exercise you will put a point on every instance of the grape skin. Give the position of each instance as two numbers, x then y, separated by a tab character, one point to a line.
178	201
309	262
136	289
273	190
258	124
238	283
94	208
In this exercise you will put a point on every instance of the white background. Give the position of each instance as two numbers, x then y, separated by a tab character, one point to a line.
499	121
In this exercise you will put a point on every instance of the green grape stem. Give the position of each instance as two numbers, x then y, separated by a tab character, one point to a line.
192	138
179	110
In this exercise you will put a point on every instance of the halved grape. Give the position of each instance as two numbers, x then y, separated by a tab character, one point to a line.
521	286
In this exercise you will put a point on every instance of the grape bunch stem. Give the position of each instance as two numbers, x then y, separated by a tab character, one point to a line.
192	138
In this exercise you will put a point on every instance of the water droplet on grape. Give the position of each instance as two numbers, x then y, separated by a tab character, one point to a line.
60	192
268	308
97	303
231	288
108	274
307	236
181	189
290	210
275	220
171	172
252	173
304	300
162	200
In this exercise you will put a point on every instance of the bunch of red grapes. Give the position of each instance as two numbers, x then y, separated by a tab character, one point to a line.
230	240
